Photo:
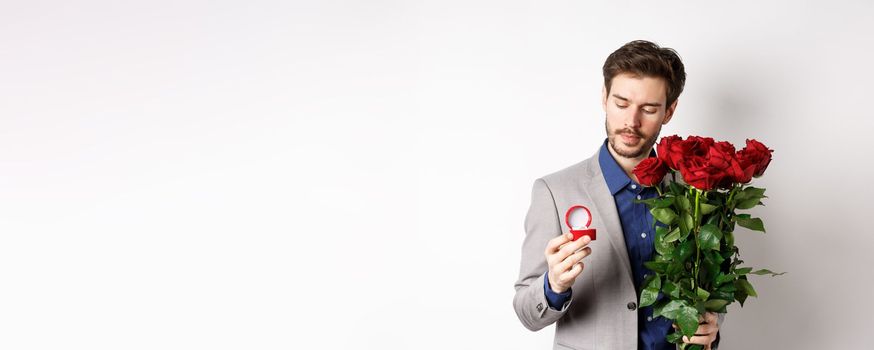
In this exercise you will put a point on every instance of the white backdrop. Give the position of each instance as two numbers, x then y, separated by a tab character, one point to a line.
348	174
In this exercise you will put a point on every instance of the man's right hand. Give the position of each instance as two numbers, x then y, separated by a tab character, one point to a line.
564	258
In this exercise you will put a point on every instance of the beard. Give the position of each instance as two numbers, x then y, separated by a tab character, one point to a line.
644	144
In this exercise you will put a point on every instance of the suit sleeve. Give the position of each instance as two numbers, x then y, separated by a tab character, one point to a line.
542	223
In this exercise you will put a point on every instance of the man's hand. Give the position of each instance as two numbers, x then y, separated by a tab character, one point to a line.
564	258
706	333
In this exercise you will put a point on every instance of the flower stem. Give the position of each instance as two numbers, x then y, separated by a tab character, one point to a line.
697	225
731	194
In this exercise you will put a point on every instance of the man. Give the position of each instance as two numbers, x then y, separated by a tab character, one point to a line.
590	288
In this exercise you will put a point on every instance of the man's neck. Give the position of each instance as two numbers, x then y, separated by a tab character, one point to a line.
628	164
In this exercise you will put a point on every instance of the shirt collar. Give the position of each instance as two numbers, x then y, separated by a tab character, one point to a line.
613	174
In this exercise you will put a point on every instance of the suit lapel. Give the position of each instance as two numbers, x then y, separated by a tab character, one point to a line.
605	206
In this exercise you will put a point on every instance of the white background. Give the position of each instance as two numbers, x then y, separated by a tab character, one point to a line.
350	174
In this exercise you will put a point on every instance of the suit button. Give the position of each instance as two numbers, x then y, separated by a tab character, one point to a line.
540	307
632	306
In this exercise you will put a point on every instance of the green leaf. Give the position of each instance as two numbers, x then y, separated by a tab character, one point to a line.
699	306
709	237
747	193
658	202
715	304
766	272
723	295
745	285
651	291
712	219
663	202
672	309
741	297
684	250
656	266
674	267
731	287
687	319
684	204
677	189
684	230
715	257
722	279
707	208
751	191
743	270
664	215
688	220
702	294
674	337
748	203
671	289
661	246
673	235
709	269
755	224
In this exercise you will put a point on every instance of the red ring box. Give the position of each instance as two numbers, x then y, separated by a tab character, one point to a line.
577	231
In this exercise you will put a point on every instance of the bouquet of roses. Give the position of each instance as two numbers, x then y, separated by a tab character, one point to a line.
696	267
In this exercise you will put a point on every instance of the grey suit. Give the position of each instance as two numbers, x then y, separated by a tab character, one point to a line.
602	313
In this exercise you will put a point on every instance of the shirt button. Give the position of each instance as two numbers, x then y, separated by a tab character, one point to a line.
645	275
632	306
649	318
643	235
633	186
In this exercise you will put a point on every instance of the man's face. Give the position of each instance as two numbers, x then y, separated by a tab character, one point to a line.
636	111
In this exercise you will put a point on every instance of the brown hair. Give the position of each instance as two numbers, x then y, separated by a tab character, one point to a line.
644	58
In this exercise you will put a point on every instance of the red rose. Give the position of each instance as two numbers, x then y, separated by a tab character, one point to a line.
650	171
699	173
756	154
669	151
723	156
696	146
741	170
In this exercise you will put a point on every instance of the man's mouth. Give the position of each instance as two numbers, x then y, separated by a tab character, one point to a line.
630	138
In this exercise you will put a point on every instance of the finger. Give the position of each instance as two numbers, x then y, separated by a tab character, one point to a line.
702	331
700	340
572	247
570	275
573	259
706	329
553	244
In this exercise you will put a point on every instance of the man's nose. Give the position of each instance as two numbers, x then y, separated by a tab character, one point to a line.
632	118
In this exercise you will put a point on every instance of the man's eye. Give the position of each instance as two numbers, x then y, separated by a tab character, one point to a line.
649	111
620	106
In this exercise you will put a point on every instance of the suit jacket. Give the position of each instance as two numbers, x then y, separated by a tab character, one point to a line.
602	312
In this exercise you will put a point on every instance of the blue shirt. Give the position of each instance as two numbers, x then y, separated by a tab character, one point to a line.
639	232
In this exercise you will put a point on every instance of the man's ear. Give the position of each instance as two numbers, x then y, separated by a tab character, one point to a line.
669	113
604	98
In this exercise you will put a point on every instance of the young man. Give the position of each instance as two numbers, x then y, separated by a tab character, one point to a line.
589	288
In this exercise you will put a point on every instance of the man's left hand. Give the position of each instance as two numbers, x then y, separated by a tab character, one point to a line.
706	333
